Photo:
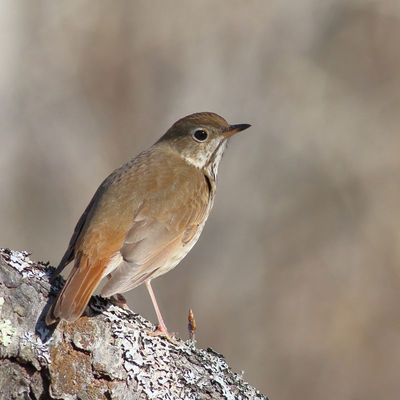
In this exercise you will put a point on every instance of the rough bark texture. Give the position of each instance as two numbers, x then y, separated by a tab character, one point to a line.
107	355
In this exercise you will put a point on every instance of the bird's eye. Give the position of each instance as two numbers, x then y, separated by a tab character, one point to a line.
200	135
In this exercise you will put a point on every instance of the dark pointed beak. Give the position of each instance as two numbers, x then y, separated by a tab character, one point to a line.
232	129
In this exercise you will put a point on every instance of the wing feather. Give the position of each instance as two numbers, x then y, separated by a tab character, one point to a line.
157	241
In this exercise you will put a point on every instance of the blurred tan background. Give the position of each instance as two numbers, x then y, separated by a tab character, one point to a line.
296	278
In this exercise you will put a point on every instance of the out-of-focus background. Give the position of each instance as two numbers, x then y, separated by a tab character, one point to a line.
296	278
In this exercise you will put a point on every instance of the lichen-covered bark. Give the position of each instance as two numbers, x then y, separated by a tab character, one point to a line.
106	355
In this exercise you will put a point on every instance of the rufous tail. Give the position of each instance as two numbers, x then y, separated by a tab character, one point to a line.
75	295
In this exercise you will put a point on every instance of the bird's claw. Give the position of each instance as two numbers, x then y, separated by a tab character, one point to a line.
163	332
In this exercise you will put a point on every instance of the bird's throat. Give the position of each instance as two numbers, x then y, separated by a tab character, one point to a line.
215	159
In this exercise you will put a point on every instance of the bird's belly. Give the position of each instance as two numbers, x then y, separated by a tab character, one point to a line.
178	256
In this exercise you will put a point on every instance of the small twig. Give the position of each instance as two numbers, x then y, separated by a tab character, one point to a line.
191	325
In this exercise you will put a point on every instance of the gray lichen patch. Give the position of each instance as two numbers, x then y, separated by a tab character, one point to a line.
161	369
21	287
7	331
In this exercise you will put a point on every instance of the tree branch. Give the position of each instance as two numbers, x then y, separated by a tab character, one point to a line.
107	355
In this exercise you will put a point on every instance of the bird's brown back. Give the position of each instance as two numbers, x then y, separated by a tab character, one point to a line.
165	194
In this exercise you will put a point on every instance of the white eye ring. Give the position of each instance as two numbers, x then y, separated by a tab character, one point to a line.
200	135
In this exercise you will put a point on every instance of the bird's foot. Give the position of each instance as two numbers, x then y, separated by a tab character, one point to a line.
162	331
120	301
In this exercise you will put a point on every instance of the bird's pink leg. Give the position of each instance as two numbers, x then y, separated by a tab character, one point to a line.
161	328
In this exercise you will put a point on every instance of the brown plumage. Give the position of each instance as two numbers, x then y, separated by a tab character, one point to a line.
145	216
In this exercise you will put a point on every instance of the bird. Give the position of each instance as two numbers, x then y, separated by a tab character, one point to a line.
145	216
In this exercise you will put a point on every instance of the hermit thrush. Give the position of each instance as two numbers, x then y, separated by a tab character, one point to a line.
146	216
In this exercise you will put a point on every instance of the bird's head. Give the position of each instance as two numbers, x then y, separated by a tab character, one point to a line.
201	138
